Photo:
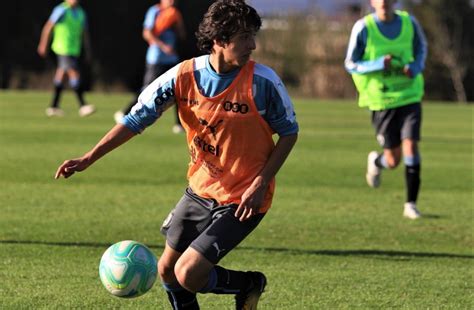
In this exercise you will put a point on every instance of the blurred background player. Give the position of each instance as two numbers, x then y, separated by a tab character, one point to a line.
162	27
230	107
68	24
386	57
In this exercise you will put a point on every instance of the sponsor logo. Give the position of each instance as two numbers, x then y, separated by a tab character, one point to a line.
164	97
206	147
188	101
212	128
219	251
236	107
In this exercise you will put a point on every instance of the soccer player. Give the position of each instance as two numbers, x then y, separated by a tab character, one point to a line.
230	107
68	22
386	57
162	27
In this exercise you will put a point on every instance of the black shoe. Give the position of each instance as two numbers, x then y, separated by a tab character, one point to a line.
248	300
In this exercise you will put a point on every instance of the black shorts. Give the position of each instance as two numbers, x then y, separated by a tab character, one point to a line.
68	62
394	125
204	225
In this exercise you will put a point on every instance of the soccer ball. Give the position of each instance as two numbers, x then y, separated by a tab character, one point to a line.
128	269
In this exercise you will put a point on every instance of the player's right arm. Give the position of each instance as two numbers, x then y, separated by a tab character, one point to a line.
48	29
355	51
117	136
44	40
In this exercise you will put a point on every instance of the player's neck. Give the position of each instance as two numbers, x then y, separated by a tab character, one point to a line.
386	17
219	65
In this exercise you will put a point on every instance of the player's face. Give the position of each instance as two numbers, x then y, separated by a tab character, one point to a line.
237	52
167	3
383	8
73	2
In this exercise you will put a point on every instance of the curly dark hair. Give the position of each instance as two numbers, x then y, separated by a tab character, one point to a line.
223	19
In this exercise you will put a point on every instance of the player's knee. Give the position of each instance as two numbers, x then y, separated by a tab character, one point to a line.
185	275
166	271
74	83
392	162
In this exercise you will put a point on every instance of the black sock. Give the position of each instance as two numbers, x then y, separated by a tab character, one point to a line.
378	161
80	95
412	178
58	88
180	298
231	281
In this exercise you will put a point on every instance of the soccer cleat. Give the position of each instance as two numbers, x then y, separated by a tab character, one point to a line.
54	112
373	172
248	300
86	110
177	129
410	211
118	116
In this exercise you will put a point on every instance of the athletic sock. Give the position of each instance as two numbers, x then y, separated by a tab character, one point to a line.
181	299
76	86
381	162
58	88
225	281
412	178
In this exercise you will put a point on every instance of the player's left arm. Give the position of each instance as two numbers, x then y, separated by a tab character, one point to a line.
253	197
420	51
275	106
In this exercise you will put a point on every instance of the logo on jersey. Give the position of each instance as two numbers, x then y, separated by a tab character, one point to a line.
236	107
188	101
164	97
212	128
201	144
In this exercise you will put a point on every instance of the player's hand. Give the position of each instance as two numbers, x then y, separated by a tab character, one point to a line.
69	167
407	71
252	200
42	50
387	62
167	49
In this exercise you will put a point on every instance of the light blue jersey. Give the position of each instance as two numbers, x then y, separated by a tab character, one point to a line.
358	42
154	54
60	9
270	96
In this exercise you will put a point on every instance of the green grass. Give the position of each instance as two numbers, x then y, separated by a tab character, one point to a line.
329	241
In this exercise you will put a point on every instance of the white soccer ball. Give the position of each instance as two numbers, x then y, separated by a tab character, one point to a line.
128	269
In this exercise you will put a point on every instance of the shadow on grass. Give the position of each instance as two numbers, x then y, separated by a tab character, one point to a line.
368	253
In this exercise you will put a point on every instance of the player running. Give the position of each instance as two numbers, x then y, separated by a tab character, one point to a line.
386	57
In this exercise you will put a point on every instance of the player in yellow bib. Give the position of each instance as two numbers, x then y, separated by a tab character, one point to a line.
230	108
68	27
386	56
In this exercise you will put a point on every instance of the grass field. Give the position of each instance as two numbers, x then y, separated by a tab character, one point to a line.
329	241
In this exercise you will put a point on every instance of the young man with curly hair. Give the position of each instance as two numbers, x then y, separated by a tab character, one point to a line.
230	107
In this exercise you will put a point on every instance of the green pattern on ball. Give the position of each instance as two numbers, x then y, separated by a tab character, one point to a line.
128	269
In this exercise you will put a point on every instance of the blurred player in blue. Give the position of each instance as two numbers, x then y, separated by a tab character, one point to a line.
386	56
68	25
229	107
162	28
